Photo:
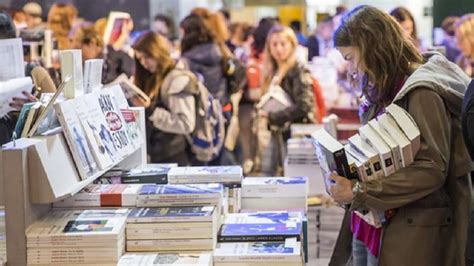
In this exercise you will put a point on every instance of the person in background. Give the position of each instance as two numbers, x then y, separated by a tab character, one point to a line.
283	70
245	50
171	115
426	204
236	36
164	25
116	62
464	30
321	42
295	25
341	10
407	22
252	93
19	18
34	13
226	14
449	40
61	18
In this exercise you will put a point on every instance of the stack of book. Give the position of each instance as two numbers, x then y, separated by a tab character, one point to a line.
382	147
77	237
152	195
103	195
275	193
229	176
173	229
147	259
148	174
248	236
302	161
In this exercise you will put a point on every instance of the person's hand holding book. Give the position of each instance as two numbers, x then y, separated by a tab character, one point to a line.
17	103
340	188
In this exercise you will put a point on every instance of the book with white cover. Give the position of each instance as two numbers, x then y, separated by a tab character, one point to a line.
374	159
182	230
284	187
361	159
116	123
76	138
12	88
357	165
93	75
71	65
129	89
13	66
397	157
180	195
274	100
103	195
205	174
370	137
131	117
264	217
397	134
166	259
371	218
407	125
264	252
172	214
173	245
275	204
96	130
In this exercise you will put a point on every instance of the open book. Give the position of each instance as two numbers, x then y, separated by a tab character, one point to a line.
113	29
129	89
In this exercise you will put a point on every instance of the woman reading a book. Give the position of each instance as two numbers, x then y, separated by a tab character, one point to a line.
426	204
293	82
171	114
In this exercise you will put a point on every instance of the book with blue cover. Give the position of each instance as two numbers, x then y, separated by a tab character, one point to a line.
172	214
252	232
205	174
267	217
189	189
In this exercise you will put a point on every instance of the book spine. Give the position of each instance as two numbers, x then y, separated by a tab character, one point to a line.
388	166
342	165
259	238
140	220
160	180
262	258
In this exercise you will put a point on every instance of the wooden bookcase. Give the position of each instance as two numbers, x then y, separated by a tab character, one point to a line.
36	172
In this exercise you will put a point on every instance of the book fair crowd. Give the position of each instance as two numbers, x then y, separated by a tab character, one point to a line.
255	82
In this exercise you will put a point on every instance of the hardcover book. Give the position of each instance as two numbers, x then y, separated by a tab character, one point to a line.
370	138
391	127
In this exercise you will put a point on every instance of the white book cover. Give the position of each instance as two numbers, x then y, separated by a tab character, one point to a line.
407	125
397	157
13	65
265	252
96	131
275	100
183	230
284	187
167	259
71	65
172	214
76	139
391	127
129	89
357	166
206	174
130	116
374	159
370	137
181	192
116	122
93	75
171	245
275	204
12	88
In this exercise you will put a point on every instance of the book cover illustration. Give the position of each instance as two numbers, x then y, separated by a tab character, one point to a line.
84	226
86	159
181	189
285	181
147	171
257	229
172	212
115	121
264	218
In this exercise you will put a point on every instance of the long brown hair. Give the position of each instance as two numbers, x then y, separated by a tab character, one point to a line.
385	54
154	46
271	65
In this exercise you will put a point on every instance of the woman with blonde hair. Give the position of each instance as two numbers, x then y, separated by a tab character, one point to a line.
61	18
464	32
424	206
171	115
284	73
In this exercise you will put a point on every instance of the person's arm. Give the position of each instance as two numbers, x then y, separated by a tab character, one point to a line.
182	117
303	104
429	170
